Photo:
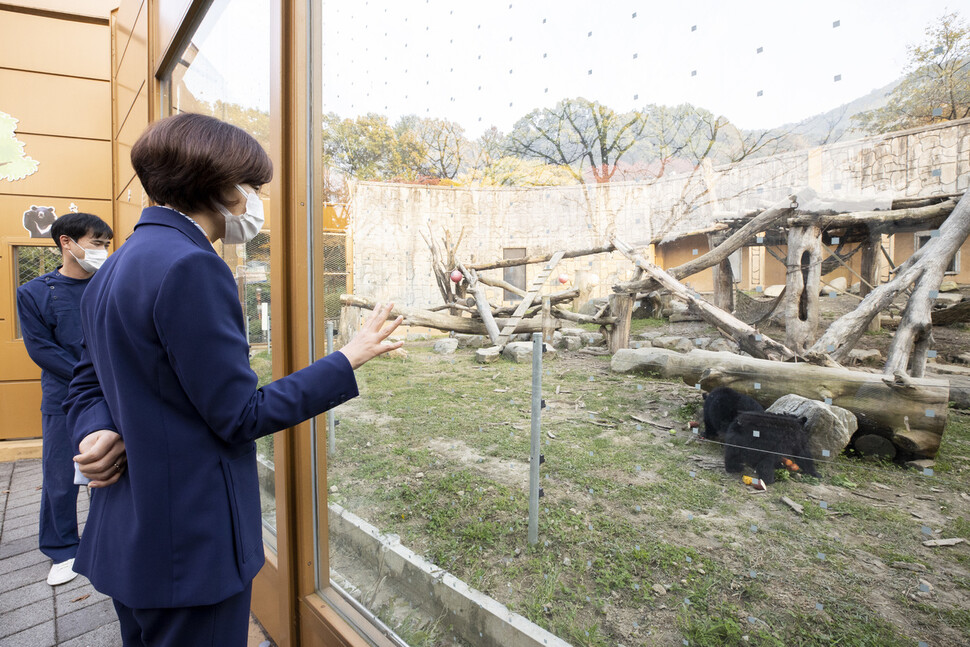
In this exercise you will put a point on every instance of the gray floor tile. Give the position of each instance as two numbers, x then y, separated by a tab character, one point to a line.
25	576
24	595
41	635
22	561
73	624
28	616
16	547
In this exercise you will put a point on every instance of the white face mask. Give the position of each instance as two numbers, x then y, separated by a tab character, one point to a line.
93	258
244	227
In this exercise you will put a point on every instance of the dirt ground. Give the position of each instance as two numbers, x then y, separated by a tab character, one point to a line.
645	540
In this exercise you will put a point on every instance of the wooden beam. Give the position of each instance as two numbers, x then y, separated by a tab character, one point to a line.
527	300
542	258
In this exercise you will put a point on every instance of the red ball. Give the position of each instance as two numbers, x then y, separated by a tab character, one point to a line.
457	276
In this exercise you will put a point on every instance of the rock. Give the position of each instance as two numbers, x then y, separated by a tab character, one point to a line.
659	589
572	343
838	284
921	464
445	346
829	427
488	355
773	291
572	332
701	342
418	336
949	298
521	351
470	341
723	345
866	356
653	334
419	475
855	288
397	353
924	586
333	489
522	336
681	344
909	566
949	286
593	339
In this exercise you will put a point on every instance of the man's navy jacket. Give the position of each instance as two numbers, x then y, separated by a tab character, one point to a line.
166	365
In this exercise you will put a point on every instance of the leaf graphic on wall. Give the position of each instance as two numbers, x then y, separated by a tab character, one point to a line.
14	164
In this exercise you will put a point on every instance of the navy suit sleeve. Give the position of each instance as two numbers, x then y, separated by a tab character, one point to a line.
39	338
200	324
85	405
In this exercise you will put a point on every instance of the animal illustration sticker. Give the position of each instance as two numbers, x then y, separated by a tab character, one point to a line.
14	163
38	221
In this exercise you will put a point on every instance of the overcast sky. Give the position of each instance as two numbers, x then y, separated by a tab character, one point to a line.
490	62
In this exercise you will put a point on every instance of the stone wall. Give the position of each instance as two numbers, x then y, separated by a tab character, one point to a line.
391	259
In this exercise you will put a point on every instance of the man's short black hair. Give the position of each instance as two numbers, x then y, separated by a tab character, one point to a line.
78	225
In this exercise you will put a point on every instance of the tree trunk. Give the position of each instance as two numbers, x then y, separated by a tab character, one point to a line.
542	258
804	277
880	221
960	313
749	339
723	280
843	333
871	266
892	407
484	309
621	308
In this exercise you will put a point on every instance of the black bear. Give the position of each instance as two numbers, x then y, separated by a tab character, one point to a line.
38	221
721	406
765	441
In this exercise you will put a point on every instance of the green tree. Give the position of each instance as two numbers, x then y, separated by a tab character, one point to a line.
578	134
368	148
937	83
14	163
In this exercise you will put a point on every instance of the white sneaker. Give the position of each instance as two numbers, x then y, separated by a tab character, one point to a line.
61	573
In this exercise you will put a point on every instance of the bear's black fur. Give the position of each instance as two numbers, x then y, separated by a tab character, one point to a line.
721	406
38	221
780	436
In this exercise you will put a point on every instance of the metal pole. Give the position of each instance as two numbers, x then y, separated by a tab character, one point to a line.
331	442
534	458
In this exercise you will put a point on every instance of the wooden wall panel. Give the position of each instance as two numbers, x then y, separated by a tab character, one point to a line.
68	168
129	12
131	70
20	403
127	136
53	46
129	204
71	107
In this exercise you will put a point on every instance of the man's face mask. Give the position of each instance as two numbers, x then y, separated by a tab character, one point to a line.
93	258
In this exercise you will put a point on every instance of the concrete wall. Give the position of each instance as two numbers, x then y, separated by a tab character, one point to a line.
392	261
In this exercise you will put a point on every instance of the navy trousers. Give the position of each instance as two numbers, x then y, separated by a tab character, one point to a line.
224	624
58	504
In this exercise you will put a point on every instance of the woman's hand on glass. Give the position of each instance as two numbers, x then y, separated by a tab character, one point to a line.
371	340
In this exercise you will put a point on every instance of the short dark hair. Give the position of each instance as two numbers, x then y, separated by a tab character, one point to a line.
187	160
78	225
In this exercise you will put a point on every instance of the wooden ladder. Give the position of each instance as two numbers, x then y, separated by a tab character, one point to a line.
527	300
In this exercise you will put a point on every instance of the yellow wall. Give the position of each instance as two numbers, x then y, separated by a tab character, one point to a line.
60	94
684	250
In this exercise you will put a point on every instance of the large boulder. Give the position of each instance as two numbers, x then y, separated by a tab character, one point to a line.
521	352
865	356
445	346
838	285
488	355
470	341
723	345
829	427
593	339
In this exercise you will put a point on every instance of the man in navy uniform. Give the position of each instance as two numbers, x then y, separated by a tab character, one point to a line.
50	321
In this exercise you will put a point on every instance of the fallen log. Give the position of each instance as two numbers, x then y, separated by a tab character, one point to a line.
927	217
416	317
749	339
541	258
911	412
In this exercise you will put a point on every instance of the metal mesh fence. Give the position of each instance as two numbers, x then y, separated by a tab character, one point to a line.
336	280
253	278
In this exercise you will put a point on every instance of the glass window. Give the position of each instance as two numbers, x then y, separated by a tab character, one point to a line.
455	136
29	262
224	72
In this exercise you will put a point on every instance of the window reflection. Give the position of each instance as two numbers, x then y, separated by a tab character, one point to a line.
224	72
466	136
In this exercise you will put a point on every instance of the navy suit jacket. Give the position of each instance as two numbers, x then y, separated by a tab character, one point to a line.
166	365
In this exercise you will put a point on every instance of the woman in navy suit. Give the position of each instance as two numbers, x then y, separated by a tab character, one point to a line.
164	407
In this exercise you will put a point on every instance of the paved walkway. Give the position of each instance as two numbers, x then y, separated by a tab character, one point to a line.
32	613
